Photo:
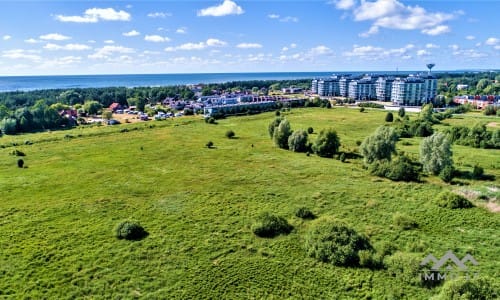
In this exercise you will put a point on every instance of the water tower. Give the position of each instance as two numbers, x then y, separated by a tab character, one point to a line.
430	66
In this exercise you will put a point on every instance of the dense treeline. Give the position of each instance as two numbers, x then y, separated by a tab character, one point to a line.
480	83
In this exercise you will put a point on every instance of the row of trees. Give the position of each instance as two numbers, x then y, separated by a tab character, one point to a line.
326	144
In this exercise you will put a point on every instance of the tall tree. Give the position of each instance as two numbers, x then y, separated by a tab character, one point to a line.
282	133
380	145
327	143
435	153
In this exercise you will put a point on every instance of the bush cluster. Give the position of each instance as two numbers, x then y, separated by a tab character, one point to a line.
370	104
230	134
477	136
451	200
469	289
399	169
331	241
130	230
404	221
268	225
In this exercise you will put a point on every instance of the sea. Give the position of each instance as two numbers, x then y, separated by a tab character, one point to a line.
30	83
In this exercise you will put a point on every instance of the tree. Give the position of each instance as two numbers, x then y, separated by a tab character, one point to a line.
389	117
380	145
281	134
8	126
107	115
327	143
482	84
401	112
435	153
92	107
297	142
426	113
275	123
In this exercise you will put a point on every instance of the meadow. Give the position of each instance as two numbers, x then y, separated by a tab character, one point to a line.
58	214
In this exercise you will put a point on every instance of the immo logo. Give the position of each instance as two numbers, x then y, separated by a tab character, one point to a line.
447	267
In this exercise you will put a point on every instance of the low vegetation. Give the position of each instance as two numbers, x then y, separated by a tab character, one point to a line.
451	200
269	225
130	230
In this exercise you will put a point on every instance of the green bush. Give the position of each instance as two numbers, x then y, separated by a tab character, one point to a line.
282	133
274	124
268	225
297	141
477	172
130	230
400	169
451	200
327	143
20	163
404	221
209	144
331	241
211	120
310	130
469	289
389	117
305	213
370	259
361	109
230	134
16	152
447	173
405	267
342	157
490	110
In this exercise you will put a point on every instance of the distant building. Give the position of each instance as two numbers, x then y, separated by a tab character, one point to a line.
462	87
291	90
383	88
478	101
414	90
362	89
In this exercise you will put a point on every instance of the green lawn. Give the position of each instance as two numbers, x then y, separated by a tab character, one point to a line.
57	216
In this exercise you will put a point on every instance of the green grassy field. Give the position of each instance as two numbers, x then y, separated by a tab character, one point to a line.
57	215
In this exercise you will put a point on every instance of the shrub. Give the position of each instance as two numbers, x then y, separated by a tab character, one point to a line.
277	113
435	153
331	241
404	221
211	120
447	173
401	112
380	145
268	225
369	259
20	163
389	117
490	110
327	143
16	152
209	144
477	172
297	142
310	130
405	267
305	213
469	289
342	157
230	134
361	109
451	200
130	230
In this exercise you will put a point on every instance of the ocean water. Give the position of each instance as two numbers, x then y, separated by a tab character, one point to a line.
28	83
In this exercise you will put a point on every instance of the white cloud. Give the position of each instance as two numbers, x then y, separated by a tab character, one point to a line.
54	37
110	50
109	42
156	38
226	8
492	41
69	47
423	53
289	19
249	46
182	30
32	41
431	46
273	16
455	47
470	37
393	14
159	15
469	53
440	29
497	47
94	15
21	54
293	46
374	53
345	4
284	49
6	37
197	46
131	33
320	50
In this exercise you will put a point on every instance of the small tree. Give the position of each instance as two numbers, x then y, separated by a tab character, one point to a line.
310	130
297	142
389	117
20	163
327	143
281	134
401	112
435	153
107	115
380	145
130	230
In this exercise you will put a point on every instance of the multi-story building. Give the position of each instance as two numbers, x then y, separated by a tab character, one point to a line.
344	86
362	89
414	90
329	87
383	88
314	86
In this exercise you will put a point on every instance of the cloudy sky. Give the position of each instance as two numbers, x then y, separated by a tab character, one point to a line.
131	37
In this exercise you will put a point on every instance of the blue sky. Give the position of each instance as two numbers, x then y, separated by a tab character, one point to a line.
131	37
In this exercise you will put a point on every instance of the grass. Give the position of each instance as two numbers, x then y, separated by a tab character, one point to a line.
57	216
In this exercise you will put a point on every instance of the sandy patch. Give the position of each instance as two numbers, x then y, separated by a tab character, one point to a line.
493	124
